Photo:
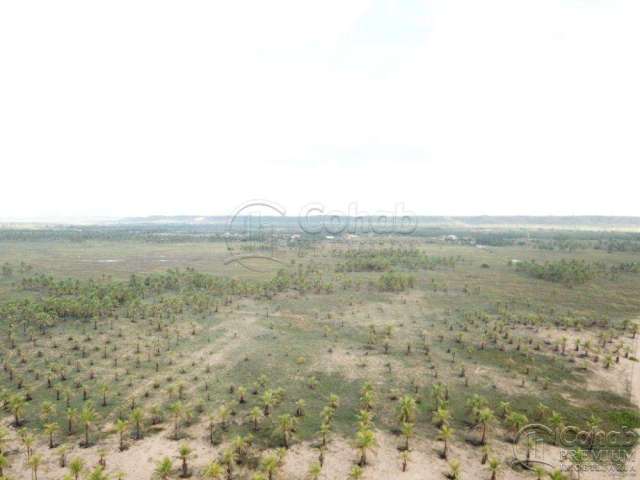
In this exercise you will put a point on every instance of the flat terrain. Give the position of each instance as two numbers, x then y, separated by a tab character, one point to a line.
124	352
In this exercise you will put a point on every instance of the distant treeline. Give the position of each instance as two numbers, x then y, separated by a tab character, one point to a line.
574	272
384	259
282	230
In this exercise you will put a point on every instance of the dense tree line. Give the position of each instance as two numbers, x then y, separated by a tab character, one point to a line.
384	259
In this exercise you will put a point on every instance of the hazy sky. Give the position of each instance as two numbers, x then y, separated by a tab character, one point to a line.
450	107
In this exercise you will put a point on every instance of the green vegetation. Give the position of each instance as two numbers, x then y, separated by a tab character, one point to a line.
391	340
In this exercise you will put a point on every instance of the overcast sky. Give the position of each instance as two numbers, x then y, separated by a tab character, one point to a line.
451	107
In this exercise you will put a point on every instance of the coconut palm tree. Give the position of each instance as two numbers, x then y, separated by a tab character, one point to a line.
445	435
485	418
224	412
255	415
213	471
88	416
268	401
163	468
121	428
286	426
578	458
72	415
229	459
34	462
365	441
441	417
47	411
176	410
405	456
50	429
314	471
407	433
104	388
356	472
365	419
27	440
76	466
98	474
407	409
516	421
136	418
184	452
270	465
454	473
494	466
300	404
17	406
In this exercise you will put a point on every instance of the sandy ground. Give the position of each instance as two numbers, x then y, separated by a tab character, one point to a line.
635	396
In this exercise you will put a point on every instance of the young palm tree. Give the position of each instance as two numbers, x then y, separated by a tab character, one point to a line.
47	411
34	462
365	419
17	406
516	421
184	452
405	456
494	466
50	429
213	471
407	409
268	401
365	441
229	459
255	415
176	410
270	465
485	418
75	467
136	418
242	393
356	473
98	474
445	435
88	416
314	471
164	467
286	426
454	473
441	417
72	414
300	404
104	388
224	412
407	433
121	428
578	458
27	440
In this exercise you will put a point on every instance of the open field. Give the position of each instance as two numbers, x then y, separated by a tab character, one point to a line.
120	353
